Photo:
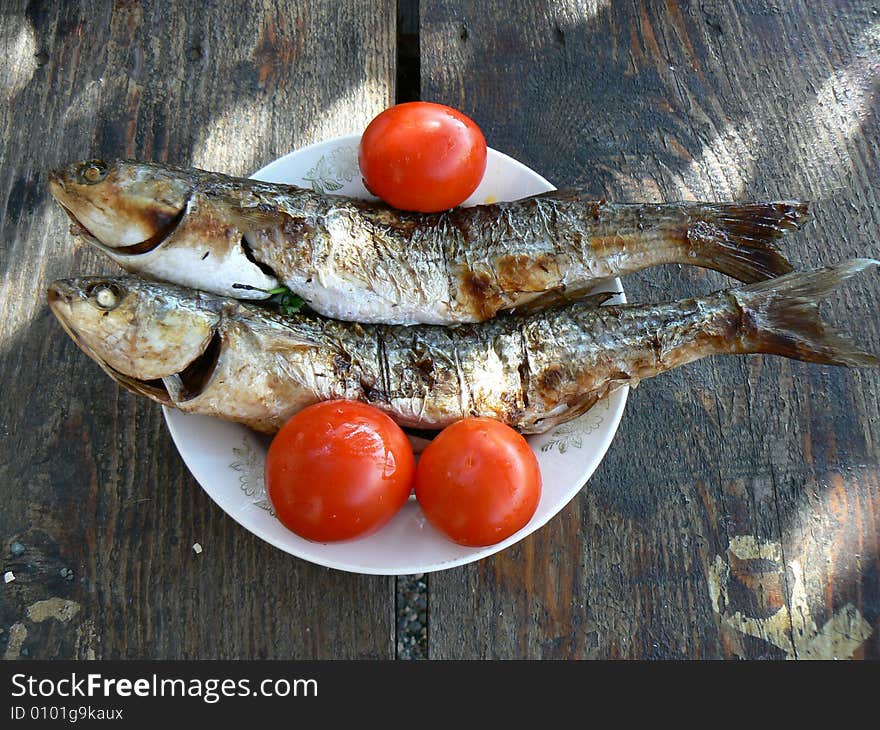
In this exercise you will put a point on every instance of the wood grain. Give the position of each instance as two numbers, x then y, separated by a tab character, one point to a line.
737	511
91	481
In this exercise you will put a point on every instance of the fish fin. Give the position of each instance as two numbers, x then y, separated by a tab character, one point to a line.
594	300
293	343
738	239
560	296
781	316
562	414
255	217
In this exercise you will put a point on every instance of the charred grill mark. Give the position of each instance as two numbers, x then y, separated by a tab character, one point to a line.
480	293
342	363
657	347
196	376
382	356
423	365
371	393
743	322
297	228
524	371
522	273
548	382
740	326
512	411
466	397
370	373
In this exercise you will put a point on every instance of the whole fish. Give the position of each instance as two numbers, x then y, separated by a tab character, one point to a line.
221	357
362	261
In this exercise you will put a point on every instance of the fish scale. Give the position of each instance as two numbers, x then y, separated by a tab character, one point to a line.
243	362
361	261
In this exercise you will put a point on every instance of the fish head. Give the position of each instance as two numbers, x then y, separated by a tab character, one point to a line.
120	204
131	211
145	335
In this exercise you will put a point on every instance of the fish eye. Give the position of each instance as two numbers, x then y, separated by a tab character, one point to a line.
105	296
92	171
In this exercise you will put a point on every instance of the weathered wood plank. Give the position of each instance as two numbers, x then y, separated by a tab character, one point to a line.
736	513
91	481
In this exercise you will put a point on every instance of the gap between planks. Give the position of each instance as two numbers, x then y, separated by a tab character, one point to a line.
411	592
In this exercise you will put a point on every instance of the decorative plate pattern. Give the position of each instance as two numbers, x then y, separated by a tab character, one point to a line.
333	170
250	463
572	435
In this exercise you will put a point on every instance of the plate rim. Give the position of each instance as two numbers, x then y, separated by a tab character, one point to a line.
614	418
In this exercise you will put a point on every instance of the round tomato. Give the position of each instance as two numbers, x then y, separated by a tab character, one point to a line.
478	482
338	470
422	156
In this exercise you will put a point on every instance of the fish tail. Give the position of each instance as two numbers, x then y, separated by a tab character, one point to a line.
781	317
739	239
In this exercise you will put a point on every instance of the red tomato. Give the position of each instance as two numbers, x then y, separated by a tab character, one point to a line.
422	156
478	482
338	470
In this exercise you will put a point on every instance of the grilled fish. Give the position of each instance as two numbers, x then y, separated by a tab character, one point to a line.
222	357
361	261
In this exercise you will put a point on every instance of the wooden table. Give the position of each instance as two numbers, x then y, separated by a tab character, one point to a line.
738	509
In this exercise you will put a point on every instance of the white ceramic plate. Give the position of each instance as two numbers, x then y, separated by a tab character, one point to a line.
227	459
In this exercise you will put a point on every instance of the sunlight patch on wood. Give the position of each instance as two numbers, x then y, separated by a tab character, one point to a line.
822	129
18	46
842	103
18	312
726	165
219	143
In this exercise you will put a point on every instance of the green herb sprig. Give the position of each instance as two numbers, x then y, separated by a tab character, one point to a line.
286	301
